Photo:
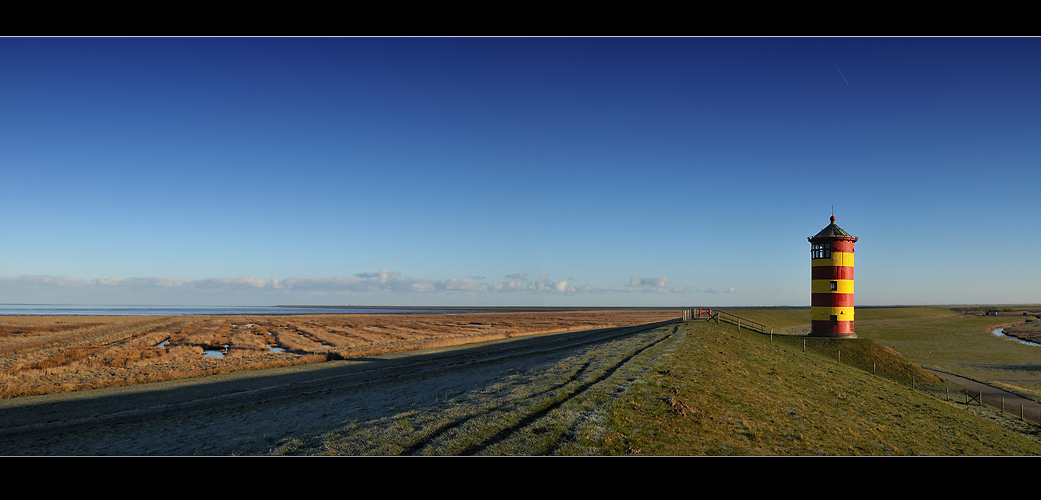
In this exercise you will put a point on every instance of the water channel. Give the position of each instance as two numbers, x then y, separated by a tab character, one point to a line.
1000	332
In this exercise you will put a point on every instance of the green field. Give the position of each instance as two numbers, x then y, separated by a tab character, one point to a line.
721	391
962	345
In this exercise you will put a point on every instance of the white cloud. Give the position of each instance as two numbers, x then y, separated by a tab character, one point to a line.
383	275
655	284
513	286
221	283
254	289
457	285
712	290
41	281
362	282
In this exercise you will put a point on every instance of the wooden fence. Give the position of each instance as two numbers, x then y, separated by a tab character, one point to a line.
707	314
968	397
725	317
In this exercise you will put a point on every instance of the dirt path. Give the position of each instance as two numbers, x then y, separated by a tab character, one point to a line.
287	409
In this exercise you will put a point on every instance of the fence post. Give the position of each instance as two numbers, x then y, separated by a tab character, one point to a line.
1002	405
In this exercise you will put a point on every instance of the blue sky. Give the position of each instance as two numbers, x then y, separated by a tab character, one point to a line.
516	171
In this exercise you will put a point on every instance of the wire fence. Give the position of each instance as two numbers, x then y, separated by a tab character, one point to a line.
1024	411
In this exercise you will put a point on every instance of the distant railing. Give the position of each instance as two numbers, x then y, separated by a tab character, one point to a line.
696	313
725	317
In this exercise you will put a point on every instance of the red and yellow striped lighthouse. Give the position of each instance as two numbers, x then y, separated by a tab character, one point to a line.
831	286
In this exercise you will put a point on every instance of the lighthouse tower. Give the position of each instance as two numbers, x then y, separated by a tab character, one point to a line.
831	286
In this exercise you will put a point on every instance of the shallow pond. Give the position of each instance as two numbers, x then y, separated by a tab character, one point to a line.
212	353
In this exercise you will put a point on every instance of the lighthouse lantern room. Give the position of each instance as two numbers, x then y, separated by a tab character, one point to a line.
831	285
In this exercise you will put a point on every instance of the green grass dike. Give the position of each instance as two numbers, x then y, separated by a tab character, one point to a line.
724	391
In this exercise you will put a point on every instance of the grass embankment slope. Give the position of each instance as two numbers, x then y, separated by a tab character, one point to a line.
721	391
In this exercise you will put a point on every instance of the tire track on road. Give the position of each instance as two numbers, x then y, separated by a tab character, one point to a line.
530	419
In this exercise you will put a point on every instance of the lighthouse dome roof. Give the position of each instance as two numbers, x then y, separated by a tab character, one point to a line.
833	231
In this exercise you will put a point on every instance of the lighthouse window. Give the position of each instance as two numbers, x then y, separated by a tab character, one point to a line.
820	251
834	285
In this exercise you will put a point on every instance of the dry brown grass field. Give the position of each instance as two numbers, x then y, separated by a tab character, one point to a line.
49	354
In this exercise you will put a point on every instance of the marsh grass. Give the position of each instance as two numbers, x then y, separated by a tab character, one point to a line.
47	354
